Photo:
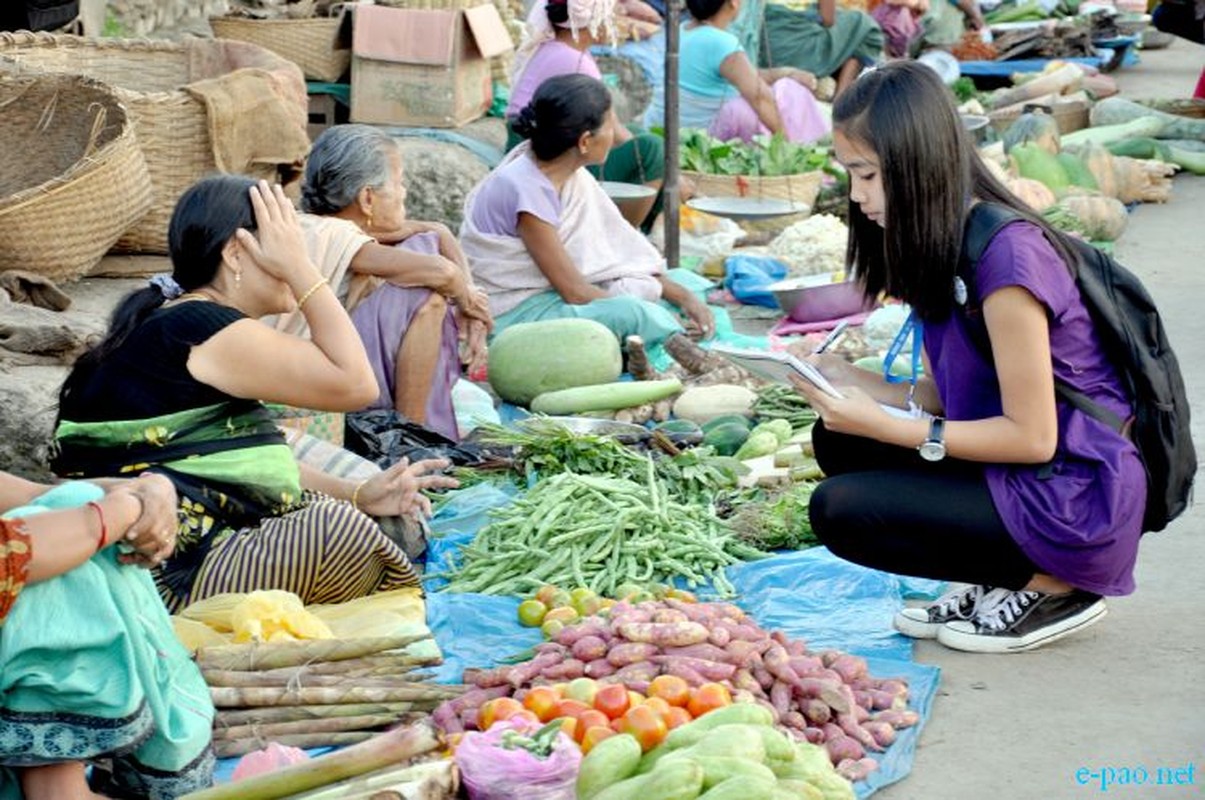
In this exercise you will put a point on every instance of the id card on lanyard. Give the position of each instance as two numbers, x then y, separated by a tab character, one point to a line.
912	328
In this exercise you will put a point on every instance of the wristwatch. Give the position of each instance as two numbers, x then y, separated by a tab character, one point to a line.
934	448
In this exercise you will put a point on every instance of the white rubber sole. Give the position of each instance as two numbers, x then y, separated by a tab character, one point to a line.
916	628
961	635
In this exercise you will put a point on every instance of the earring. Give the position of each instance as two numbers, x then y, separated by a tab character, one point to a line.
368	222
238	278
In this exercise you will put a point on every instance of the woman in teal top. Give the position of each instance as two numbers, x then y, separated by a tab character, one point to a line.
722	93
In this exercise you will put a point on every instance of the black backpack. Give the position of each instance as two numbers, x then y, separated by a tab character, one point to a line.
1135	341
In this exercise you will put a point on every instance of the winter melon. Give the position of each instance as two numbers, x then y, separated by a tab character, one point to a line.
532	358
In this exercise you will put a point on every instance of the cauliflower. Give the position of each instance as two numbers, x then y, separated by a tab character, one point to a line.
813	246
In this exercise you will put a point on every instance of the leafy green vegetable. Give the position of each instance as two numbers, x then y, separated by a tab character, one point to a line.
964	89
776	520
766	155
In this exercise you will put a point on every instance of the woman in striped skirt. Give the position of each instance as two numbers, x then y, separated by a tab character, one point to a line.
178	388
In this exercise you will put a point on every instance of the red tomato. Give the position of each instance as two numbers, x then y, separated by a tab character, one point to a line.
617	725
708	697
571	708
496	710
678	716
590	719
542	701
671	689
634	698
594	736
612	700
569	727
660	706
645	725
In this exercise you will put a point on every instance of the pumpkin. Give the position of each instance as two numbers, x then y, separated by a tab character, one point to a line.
1032	193
1099	162
1099	218
1033	127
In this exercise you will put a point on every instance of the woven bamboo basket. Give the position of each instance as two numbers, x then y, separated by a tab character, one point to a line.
308	43
172	126
72	177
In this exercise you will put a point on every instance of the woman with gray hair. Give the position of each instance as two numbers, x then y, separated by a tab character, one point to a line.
406	284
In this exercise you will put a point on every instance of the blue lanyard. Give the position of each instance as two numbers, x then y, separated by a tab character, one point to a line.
911	328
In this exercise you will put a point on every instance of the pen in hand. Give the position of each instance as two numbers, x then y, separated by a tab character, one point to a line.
831	339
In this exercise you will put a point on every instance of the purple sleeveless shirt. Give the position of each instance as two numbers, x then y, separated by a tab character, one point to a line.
1080	518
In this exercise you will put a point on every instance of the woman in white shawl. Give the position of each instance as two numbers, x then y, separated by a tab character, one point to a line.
544	241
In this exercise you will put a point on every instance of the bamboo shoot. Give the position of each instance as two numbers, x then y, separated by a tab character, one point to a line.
263	656
270	731
428	779
381	750
233	748
272	714
241	697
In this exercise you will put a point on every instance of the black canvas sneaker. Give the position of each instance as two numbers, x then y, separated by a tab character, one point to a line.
1017	621
923	622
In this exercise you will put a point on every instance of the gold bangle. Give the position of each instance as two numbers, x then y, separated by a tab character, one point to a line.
309	293
355	495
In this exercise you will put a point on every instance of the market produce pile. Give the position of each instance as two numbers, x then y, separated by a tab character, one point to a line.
657	663
766	155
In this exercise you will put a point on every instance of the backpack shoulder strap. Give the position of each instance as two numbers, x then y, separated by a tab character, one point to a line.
983	222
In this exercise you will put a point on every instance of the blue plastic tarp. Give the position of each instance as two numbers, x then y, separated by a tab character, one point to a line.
810	594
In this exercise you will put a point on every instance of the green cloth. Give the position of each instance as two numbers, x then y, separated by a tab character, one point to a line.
944	24
91	668
229	463
798	39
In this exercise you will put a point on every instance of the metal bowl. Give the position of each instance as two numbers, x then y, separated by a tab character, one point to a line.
813	299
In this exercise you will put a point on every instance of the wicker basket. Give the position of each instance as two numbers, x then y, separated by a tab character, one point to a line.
172	126
308	43
72	177
1069	117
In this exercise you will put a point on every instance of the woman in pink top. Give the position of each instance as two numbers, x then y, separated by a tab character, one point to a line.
557	41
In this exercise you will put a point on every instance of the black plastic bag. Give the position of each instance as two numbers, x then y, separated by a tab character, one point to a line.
385	437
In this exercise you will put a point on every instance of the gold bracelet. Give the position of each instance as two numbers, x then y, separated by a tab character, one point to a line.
309	292
355	495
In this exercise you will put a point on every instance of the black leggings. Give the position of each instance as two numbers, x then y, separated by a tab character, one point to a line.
885	507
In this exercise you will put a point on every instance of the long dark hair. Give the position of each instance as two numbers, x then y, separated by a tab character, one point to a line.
930	172
702	10
562	109
204	220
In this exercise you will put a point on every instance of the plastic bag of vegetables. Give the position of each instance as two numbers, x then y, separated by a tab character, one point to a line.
514	761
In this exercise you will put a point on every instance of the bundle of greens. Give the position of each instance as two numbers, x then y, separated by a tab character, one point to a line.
766	155
776	520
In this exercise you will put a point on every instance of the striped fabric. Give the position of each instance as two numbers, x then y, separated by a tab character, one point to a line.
14	563
326	552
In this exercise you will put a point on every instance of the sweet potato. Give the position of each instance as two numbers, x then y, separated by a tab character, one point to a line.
793	719
863	699
780	697
832	731
710	670
880	700
526	672
684	671
591	626
445	718
696	612
817	711
861	714
551	647
589	648
664	615
639	671
669	634
741	653
813	735
882	732
743	679
720	637
856	770
763	677
897	686
849	723
630	653
898	718
599	668
827	691
567	670
706	651
842	747
805	666
848	667
766	704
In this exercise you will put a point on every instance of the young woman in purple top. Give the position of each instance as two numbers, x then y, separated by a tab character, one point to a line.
1034	504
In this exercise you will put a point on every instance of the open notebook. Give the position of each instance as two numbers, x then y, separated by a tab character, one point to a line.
779	366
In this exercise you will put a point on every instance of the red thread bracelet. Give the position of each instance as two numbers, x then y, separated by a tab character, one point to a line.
104	530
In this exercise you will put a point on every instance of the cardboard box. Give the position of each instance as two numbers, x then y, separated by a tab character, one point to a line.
423	67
